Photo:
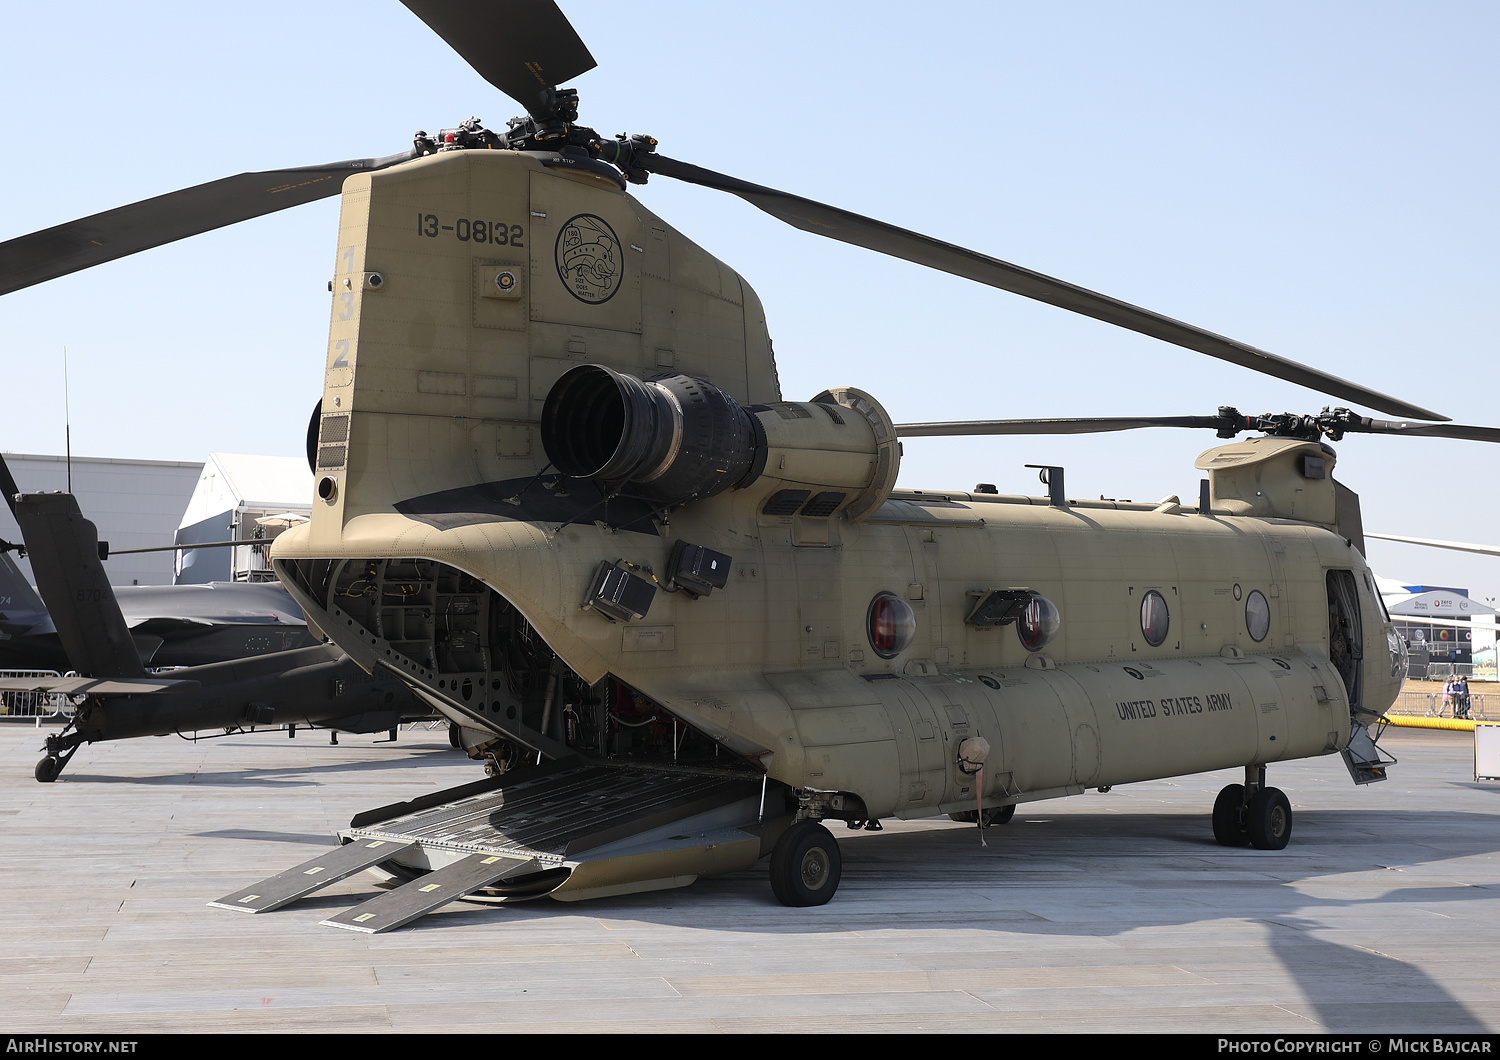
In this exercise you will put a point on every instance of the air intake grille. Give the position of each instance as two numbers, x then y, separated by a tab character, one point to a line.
824	504
333	438
785	502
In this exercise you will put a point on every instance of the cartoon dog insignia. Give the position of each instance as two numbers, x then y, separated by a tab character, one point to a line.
588	258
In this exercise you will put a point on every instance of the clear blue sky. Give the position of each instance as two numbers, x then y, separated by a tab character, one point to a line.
1313	178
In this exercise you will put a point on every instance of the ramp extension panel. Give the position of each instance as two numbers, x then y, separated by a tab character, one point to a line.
569	830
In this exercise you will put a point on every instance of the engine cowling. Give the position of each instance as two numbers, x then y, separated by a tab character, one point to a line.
677	438
672	438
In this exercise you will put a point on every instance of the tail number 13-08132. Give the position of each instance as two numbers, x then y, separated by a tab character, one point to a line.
469	231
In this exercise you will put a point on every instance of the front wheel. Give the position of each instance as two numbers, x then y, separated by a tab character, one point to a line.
1268	820
805	865
1229	817
47	769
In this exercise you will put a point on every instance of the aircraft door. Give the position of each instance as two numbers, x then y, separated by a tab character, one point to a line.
1346	639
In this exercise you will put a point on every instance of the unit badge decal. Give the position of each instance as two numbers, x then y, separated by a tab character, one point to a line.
588	259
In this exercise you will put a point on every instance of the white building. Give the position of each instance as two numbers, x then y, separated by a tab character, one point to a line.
134	503
1442	626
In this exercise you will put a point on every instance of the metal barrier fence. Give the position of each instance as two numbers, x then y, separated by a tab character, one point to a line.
1443	671
38	705
55	707
1437	705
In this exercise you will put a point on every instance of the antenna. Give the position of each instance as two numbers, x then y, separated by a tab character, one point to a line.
67	422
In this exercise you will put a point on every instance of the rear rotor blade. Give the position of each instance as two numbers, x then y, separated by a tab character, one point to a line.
522	47
90	241
830	221
1097	425
1333	423
1457	546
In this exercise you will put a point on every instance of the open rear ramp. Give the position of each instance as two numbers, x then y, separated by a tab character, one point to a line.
570	830
328	867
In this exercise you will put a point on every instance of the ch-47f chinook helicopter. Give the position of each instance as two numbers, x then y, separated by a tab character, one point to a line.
684	620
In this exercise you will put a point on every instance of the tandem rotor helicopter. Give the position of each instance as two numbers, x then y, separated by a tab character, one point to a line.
686	621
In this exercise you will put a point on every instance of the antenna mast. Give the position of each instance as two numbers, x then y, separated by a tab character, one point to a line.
67	422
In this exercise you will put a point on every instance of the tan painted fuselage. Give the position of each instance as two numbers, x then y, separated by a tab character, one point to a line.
468	282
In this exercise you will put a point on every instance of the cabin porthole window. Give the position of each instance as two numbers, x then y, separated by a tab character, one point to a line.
891	625
1257	616
1155	621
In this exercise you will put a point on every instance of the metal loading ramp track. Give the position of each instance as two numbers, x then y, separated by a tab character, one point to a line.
571	830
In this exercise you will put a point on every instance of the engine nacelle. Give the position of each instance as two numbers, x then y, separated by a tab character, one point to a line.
673	438
676	438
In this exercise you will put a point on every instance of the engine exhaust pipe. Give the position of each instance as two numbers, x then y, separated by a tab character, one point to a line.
672	438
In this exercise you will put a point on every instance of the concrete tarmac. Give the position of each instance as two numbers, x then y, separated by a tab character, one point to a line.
1105	912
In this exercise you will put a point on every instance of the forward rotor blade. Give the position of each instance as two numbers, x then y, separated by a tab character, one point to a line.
823	220
1457	546
522	47
1098	425
1461	431
127	230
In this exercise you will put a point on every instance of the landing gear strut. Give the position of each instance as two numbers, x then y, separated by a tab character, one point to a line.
1253	814
805	865
60	748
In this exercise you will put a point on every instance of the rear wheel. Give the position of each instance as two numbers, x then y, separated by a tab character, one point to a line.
1268	820
999	815
1229	817
47	769
805	865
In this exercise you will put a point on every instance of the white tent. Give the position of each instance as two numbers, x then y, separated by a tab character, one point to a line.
241	497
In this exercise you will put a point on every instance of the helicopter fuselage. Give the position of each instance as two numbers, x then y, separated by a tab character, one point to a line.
542	611
780	666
